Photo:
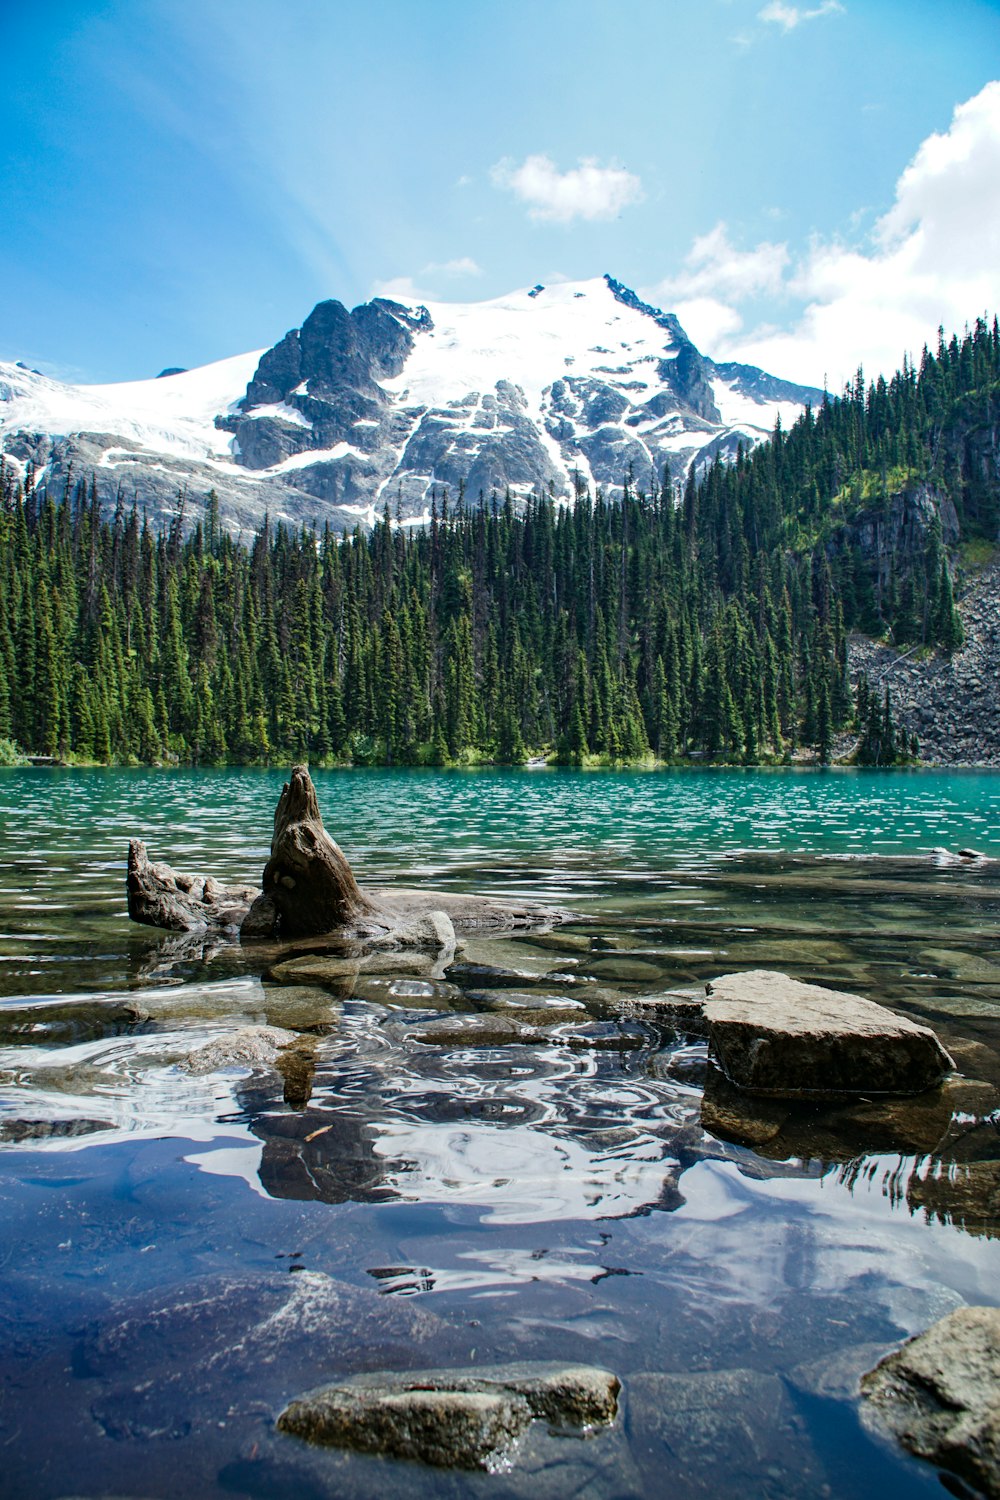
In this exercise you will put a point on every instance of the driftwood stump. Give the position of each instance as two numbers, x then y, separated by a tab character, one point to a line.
161	897
310	890
308	885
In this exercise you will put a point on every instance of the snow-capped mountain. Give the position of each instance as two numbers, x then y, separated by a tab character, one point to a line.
555	388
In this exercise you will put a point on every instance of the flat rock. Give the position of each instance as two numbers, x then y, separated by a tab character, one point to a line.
681	1010
465	1419
939	1396
249	1047
777	1036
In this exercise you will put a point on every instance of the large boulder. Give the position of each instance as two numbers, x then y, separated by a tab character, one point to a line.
939	1396
774	1035
464	1419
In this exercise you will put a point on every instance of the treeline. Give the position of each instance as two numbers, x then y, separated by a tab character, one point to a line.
712	624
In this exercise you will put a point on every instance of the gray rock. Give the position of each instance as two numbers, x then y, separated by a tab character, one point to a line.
774	1035
465	1419
939	1396
249	1047
950	701
430	932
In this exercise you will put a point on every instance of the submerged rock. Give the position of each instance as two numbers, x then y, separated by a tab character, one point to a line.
939	1396
774	1035
933	1126
464	1419
525	1028
249	1047
422	947
680	1010
720	1432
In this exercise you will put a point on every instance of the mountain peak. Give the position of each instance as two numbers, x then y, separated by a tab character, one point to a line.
540	389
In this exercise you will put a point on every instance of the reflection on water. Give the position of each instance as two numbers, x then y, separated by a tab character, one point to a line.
494	1164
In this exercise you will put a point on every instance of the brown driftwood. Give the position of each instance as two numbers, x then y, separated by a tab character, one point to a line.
309	889
162	897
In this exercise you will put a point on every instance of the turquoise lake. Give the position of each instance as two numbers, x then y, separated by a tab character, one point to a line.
185	1247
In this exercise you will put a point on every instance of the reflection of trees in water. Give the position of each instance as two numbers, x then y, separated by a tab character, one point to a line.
936	1153
963	1193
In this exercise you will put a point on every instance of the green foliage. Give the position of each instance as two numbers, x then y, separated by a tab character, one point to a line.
11	754
880	741
658	625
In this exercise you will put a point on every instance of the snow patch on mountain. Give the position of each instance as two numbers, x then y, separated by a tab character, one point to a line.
553	388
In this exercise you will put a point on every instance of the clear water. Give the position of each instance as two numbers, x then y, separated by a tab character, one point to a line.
183	1252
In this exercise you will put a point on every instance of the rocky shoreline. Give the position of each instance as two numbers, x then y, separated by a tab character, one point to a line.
951	703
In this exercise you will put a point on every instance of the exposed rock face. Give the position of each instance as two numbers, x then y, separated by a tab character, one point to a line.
465	1419
539	391
159	896
774	1035
307	881
950	703
883	537
939	1396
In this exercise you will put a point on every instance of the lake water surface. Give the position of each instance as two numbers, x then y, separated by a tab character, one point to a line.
184	1249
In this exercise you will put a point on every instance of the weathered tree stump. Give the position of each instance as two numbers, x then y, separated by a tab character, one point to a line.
309	887
159	896
310	890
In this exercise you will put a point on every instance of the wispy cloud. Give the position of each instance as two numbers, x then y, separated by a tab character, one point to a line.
463	266
586	191
776	13
931	259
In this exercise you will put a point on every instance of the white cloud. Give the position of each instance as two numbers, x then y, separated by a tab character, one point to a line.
790	16
932	259
714	267
586	191
400	289
463	266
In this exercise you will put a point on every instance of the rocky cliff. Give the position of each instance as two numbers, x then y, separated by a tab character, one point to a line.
549	389
952	703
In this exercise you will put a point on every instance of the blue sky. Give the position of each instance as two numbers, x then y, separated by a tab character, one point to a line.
182	181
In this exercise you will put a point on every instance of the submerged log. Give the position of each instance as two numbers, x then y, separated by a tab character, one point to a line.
309	890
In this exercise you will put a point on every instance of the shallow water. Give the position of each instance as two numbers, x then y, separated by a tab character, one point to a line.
184	1251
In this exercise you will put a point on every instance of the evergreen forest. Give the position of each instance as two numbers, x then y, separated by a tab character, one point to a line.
709	621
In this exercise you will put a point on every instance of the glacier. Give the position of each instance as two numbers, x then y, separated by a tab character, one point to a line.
556	389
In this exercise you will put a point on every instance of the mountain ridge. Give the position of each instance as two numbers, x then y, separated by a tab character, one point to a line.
553	388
